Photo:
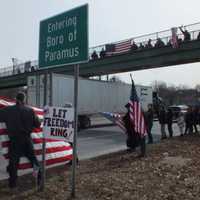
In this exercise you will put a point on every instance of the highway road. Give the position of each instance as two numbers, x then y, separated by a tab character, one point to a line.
99	141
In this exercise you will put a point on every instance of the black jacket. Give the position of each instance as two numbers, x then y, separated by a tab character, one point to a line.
20	120
162	117
189	118
169	118
149	118
133	138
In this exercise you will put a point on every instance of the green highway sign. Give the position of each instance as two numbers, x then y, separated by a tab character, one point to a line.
64	38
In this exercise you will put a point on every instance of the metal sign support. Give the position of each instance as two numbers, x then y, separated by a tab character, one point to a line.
42	186
76	75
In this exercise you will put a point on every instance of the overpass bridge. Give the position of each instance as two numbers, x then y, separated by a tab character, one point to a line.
131	60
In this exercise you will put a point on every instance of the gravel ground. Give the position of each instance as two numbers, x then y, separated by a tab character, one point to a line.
171	171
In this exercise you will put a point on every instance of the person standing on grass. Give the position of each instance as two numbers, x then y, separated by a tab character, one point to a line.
149	123
20	121
189	121
133	138
162	121
169	120
181	123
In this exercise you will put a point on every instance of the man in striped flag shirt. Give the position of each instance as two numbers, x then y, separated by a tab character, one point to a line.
135	123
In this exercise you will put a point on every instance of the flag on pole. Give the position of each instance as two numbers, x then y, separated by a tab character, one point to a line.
57	152
118	48
136	113
174	39
115	118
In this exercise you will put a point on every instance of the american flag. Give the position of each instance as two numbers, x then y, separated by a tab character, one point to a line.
117	48
136	113
115	118
57	152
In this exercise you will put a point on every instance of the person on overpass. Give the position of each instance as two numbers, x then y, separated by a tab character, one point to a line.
149	45
102	53
141	46
94	55
186	34
133	139
20	121
159	43
134	46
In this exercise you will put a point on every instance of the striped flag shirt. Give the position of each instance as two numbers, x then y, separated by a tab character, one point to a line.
118	48
136	113
115	118
57	152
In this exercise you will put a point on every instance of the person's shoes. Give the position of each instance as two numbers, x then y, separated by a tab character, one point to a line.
181	135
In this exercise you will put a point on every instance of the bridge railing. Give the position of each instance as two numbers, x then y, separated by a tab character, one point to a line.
19	68
165	36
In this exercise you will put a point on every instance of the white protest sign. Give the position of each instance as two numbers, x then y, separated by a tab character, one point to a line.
59	123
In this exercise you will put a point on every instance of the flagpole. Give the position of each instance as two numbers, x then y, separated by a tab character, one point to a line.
131	78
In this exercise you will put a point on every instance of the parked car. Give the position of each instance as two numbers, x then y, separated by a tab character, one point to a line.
178	108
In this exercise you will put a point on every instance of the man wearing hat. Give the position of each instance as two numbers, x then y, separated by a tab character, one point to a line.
20	121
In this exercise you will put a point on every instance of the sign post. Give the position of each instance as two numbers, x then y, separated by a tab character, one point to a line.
76	75
64	41
44	137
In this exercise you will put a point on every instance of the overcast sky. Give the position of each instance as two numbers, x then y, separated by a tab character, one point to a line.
109	21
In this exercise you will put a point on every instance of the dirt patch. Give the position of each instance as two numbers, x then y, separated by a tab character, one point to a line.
175	161
171	171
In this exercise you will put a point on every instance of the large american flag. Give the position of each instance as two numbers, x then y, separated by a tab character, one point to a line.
57	152
115	118
118	48
136	113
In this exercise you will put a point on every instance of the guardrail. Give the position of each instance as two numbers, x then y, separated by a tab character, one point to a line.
165	36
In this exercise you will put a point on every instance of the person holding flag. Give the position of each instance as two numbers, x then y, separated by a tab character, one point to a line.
135	123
